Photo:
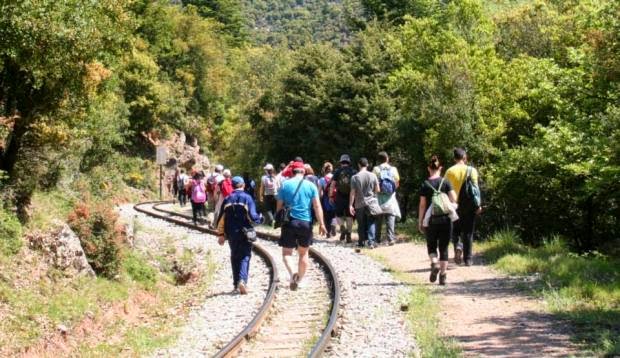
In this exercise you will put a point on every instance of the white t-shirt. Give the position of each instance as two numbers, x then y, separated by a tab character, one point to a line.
270	184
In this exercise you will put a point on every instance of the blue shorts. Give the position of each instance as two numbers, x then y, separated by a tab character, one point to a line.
296	233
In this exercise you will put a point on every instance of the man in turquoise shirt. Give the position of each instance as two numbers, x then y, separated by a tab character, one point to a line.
300	195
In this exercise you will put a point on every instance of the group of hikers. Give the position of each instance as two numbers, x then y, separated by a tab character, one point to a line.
294	198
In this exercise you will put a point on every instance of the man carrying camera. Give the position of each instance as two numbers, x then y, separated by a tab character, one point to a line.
235	224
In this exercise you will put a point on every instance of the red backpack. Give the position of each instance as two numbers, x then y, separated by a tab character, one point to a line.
226	187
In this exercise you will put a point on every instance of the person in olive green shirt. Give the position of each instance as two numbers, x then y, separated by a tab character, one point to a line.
463	232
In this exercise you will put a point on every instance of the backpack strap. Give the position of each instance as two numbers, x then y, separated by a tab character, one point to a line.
297	190
468	173
432	187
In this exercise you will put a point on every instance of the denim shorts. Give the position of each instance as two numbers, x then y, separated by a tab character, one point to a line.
296	233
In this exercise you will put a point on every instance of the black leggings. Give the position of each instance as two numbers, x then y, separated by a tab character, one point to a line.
197	210
438	236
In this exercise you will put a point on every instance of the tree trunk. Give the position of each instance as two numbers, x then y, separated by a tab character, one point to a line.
9	157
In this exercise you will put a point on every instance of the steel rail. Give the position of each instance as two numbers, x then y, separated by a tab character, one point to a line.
252	328
335	289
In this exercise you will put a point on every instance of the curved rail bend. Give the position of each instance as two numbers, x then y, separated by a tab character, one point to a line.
233	347
235	344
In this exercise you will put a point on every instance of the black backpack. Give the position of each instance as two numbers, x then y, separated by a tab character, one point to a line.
343	182
469	195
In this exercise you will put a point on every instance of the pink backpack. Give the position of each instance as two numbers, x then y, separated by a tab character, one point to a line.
198	192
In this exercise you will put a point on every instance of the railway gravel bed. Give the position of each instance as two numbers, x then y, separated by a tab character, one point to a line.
371	323
223	314
297	318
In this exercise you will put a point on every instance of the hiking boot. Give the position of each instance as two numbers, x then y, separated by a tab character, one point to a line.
242	288
458	255
333	230
434	272
294	282
442	279
342	236
391	243
349	238
468	262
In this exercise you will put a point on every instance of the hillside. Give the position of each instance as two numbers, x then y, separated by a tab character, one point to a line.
297	23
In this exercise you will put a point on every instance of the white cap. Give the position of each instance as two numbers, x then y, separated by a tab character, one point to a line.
269	166
219	168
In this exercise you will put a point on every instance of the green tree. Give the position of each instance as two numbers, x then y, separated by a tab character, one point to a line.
52	59
227	12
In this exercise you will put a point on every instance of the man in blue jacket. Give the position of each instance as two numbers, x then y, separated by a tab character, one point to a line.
238	212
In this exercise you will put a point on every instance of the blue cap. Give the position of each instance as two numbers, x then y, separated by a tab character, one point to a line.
237	181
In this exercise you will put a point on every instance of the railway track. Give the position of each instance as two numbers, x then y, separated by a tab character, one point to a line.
289	323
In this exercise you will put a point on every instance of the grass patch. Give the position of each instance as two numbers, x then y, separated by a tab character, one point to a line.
409	230
584	289
31	307
10	233
48	206
139	270
422	316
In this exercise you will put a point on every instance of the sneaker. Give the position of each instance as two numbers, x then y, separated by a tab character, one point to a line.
342	236
391	243
468	262
434	272
372	246
242	288
458	255
302	283
333	230
294	282
442	279
349	238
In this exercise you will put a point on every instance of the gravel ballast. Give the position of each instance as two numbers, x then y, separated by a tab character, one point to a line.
223	314
371	323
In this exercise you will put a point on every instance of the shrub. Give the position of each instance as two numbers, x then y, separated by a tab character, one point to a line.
10	233
140	271
101	239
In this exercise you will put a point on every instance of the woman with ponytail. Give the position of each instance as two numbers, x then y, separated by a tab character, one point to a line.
439	230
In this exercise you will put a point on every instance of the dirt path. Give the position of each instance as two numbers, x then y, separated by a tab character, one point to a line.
488	313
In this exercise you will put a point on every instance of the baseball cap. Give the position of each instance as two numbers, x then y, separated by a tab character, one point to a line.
237	181
345	158
297	165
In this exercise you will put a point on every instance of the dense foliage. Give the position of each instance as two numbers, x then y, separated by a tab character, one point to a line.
530	88
296	23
